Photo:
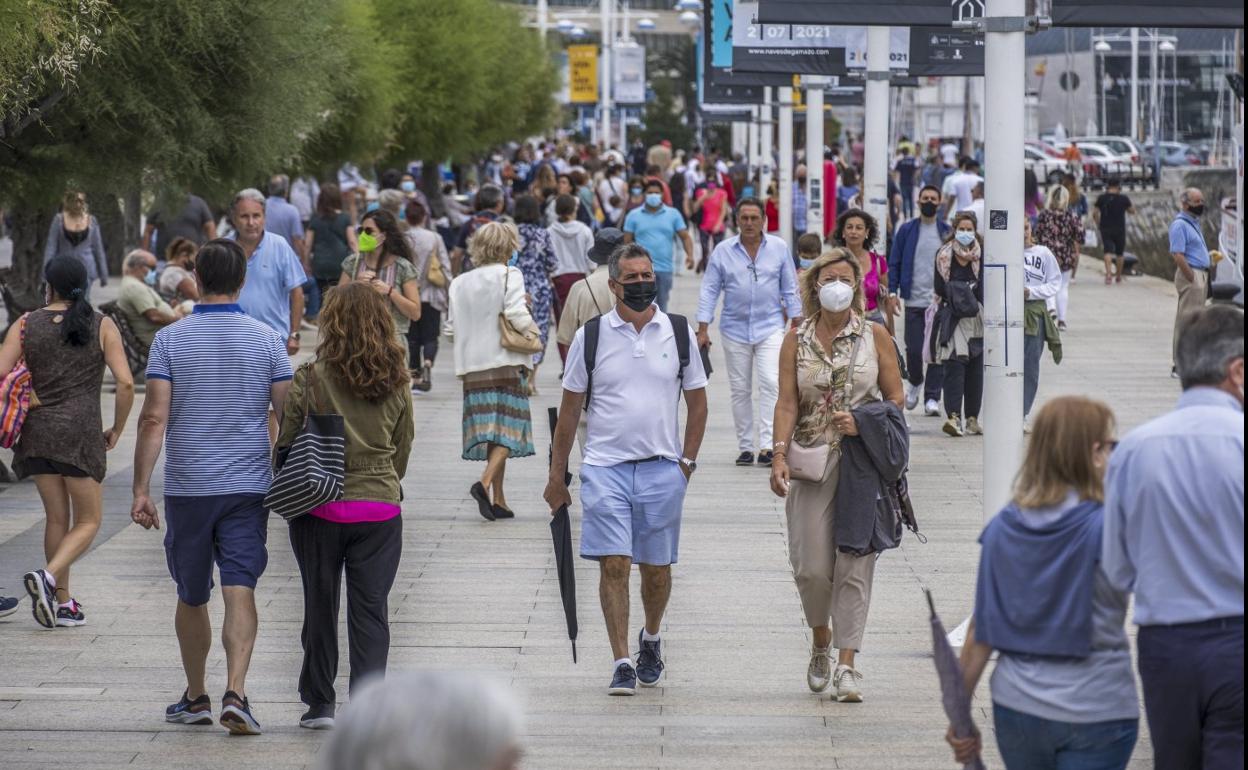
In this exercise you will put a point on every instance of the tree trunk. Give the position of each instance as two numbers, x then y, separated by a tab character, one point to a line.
23	281
107	211
431	181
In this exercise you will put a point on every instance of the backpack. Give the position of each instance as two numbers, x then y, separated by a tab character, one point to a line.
591	349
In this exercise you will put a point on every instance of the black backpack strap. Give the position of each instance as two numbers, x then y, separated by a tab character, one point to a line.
591	355
680	328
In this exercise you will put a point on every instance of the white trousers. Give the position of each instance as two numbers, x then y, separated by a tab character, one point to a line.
747	363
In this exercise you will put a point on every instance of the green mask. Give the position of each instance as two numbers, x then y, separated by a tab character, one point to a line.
367	242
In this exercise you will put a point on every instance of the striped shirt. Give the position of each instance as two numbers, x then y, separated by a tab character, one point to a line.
221	365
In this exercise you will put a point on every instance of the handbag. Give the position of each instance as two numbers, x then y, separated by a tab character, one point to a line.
527	341
434	275
312	470
16	393
810	463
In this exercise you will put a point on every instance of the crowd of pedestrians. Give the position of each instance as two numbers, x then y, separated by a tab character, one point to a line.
818	389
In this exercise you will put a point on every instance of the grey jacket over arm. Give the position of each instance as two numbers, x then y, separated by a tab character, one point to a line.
868	518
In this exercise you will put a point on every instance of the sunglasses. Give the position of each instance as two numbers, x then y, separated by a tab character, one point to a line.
370	231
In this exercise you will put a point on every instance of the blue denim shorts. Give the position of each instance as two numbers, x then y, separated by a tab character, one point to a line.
230	530
632	509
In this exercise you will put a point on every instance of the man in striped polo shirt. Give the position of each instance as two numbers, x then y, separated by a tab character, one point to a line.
211	379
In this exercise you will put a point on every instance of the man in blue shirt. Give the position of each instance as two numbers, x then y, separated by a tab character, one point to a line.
211	379
1191	260
273	292
755	274
654	226
283	218
1174	534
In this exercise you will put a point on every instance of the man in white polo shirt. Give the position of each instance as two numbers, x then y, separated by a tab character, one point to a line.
636	467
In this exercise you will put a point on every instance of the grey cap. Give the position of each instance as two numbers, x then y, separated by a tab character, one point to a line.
605	242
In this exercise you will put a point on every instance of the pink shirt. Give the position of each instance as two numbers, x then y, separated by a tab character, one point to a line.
871	281
355	511
712	209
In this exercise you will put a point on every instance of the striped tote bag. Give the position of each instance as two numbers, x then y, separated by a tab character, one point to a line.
312	470
16	391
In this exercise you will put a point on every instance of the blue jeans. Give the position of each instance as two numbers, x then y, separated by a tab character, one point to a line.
311	299
1028	742
664	280
1033	351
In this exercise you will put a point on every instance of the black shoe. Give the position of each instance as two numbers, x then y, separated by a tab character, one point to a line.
318	717
70	615
190	712
8	606
42	597
483	501
624	682
649	661
745	458
425	384
236	715
765	458
502	513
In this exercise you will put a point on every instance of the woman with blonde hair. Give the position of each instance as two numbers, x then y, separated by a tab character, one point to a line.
360	372
835	362
1063	691
496	420
76	233
1061	231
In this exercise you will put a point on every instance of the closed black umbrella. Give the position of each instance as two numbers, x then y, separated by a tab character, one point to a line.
953	694
561	534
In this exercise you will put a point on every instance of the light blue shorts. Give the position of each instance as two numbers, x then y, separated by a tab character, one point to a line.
632	509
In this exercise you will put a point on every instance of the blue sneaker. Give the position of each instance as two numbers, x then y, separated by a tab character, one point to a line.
42	597
236	715
649	662
190	712
8	606
624	682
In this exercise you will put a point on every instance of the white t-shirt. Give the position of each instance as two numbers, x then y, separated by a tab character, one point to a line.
949	154
633	410
1041	273
977	208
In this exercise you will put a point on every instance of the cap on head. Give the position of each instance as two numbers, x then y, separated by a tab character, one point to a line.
605	241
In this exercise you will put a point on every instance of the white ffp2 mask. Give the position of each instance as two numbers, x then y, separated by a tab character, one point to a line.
836	296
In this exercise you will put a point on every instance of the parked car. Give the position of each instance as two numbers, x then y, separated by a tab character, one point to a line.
1174	154
1048	167
1126	149
1100	163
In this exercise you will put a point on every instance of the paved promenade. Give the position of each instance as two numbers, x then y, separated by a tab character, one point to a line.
479	596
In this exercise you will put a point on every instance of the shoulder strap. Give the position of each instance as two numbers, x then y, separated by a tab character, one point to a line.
591	355
680	329
853	364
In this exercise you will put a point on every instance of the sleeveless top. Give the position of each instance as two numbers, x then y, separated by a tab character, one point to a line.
67	426
821	379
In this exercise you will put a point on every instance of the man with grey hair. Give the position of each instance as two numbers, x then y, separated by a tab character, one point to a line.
629	366
273	291
427	720
1174	534
144	309
1191	261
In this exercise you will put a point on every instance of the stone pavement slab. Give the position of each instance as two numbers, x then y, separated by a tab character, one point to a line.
478	596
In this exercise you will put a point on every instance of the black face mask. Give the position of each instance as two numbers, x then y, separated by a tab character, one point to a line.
1196	211
928	209
640	295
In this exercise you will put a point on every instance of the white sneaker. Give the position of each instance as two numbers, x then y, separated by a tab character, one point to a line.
953	426
819	672
846	680
973	427
912	395
931	408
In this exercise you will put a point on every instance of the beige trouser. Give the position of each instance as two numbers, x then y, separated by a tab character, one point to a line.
831	584
1192	297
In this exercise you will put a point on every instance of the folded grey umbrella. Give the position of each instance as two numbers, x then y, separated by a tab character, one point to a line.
953	694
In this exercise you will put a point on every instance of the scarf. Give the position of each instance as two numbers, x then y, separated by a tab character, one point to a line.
946	253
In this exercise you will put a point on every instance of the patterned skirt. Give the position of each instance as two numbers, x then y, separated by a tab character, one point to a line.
496	411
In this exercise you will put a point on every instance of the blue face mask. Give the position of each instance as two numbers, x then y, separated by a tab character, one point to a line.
515	259
408	186
150	278
635	191
805	264
654	200
965	237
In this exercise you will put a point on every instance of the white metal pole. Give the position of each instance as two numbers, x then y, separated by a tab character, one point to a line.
752	142
1154	124
786	165
604	97
1135	83
766	136
1004	71
814	153
875	159
542	21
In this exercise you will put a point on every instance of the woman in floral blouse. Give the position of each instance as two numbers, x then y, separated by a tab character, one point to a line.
833	363
1061	231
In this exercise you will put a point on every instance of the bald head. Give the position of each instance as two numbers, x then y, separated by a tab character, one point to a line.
1191	198
138	262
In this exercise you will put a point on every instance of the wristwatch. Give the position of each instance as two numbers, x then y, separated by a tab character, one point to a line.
690	465
294	337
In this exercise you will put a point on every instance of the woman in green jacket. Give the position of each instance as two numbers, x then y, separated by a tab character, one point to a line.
360	372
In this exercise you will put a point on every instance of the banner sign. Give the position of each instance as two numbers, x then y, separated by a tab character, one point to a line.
938	51
1065	13
583	74
720	25
630	75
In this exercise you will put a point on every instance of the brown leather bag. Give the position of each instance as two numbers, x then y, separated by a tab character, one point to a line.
513	339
